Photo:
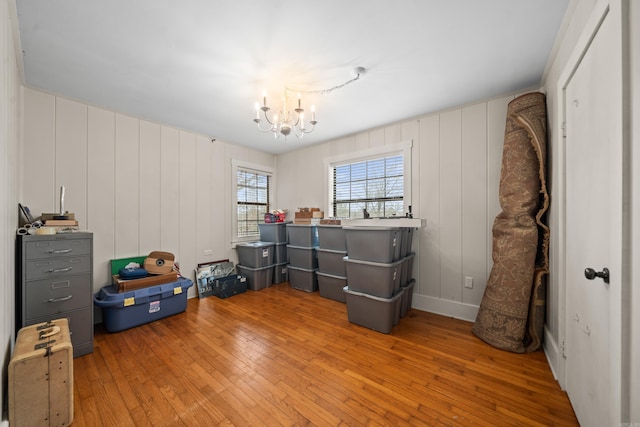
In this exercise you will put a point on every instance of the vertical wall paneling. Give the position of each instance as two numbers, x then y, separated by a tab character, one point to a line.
376	138
38	151
429	208
450	206
127	185
393	134
170	194
150	188
101	191
188	223
10	168
204	195
474	200
220	216
71	158
362	141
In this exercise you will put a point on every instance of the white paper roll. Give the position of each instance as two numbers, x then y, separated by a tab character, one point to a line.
27	226
22	231
36	224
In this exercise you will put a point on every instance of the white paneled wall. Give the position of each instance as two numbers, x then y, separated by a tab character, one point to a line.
456	161
138	186
9	183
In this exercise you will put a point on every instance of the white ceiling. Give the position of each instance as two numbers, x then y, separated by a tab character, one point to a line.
201	65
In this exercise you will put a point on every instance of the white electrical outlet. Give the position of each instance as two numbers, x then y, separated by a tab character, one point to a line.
468	282
208	251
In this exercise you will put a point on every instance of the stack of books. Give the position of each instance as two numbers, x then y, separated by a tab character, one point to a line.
61	225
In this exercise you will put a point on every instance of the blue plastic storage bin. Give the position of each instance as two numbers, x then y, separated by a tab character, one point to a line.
124	310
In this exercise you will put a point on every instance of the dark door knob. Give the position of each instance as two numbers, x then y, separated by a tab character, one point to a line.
591	274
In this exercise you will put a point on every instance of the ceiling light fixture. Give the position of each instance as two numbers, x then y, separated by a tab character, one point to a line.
288	121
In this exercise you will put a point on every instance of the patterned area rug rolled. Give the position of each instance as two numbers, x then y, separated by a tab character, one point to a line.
511	314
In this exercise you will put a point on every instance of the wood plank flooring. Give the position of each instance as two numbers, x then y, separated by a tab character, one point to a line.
280	356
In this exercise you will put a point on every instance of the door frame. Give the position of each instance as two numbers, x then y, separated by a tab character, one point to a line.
611	9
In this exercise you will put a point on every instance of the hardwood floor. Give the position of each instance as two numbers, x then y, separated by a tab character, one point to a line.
280	356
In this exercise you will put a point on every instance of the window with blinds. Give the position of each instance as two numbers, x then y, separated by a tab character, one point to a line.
252	201
376	185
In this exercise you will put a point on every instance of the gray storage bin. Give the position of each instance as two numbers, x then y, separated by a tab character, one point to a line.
280	253
280	273
255	254
331	262
332	237
274	232
302	257
257	278
303	279
407	241
379	314
304	235
407	298
374	278
330	286
377	244
407	269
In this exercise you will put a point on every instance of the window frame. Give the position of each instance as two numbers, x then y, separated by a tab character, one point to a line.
239	165
401	148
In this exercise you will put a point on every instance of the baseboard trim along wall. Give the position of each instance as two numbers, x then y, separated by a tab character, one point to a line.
455	309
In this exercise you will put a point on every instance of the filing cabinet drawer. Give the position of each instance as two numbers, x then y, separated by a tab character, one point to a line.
50	296
57	248
80	328
45	268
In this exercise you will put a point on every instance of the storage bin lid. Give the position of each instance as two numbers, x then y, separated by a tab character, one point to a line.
333	276
258	244
291	267
373	297
302	247
332	251
240	266
302	225
109	296
372	263
372	228
273	224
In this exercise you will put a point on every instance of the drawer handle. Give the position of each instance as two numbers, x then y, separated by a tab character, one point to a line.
68	297
60	270
61	251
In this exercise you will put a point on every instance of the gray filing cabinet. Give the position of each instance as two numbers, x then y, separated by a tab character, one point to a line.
55	280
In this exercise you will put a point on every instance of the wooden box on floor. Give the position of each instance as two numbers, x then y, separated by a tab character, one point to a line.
41	376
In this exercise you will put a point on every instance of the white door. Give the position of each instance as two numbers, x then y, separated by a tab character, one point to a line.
593	149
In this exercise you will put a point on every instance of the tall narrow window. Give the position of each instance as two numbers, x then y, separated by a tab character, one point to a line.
375	185
252	201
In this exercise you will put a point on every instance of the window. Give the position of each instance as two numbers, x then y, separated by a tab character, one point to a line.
253	196
375	184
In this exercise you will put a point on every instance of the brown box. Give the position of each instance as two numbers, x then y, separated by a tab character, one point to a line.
304	215
41	376
130	284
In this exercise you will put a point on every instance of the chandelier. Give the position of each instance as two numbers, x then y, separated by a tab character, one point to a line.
286	121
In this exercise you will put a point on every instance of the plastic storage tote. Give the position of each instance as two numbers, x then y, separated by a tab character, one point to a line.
124	310
379	314
280	253
274	232
303	257
332	237
332	262
280	273
257	278
376	244
255	254
407	269
304	235
375	278
331	286
303	279
407	298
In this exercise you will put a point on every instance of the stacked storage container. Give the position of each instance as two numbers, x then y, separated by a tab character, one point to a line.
303	256
276	232
255	262
332	273
377	271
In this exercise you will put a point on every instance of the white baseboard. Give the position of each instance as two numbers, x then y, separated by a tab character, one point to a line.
455	309
554	356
